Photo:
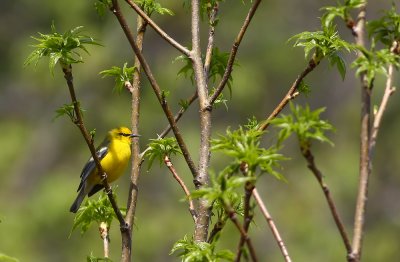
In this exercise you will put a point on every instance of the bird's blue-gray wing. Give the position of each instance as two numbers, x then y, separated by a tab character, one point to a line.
91	165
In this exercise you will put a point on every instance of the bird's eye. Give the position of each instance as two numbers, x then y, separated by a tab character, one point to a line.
124	134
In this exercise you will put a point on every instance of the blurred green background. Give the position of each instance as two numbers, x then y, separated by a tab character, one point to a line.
41	159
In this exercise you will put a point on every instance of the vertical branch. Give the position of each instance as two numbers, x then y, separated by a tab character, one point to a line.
211	34
135	171
202	178
365	161
247	218
272	225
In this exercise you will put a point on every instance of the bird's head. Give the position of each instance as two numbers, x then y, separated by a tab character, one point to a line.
122	134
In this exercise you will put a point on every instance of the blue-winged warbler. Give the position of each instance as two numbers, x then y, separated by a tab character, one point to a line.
114	154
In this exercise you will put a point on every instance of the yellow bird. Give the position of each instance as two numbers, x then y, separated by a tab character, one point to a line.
114	154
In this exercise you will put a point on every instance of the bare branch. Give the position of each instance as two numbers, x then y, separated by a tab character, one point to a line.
158	30
233	217
235	46
291	94
172	169
317	173
202	179
272	226
134	89
365	161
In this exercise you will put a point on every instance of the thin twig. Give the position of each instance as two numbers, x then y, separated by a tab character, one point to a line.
272	225
158	30
211	34
89	141
291	94
318	175
389	90
172	169
156	88
247	218
178	115
233	217
232	55
202	178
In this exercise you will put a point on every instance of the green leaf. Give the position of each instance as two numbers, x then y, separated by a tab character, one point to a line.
190	251
386	29
151	6
60	48
303	122
5	258
122	76
336	59
161	147
92	258
99	210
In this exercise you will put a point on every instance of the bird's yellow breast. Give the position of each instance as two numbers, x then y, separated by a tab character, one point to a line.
115	161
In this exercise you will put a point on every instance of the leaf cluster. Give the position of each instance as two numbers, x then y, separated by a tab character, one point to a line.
99	210
92	258
190	251
372	63
387	28
63	48
243	146
152	6
68	110
306	124
218	64
325	43
121	75
161	147
341	10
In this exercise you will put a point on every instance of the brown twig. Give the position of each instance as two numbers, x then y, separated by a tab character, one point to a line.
89	141
318	175
291	94
156	88
178	115
103	229
232	55
172	169
202	177
272	225
247	218
211	34
233	217
158	30
389	90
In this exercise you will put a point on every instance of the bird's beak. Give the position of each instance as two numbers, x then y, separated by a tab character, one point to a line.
134	135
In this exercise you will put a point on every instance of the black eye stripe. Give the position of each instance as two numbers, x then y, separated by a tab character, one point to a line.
124	134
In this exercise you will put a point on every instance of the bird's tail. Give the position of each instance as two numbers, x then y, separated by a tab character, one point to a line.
78	201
